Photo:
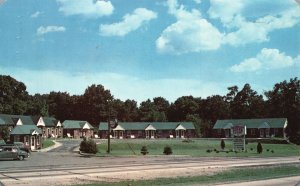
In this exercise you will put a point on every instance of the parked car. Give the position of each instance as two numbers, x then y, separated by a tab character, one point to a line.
12	152
21	146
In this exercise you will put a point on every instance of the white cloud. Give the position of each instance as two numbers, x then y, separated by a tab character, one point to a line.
129	23
225	10
44	30
36	14
121	86
190	33
267	59
88	8
197	1
241	30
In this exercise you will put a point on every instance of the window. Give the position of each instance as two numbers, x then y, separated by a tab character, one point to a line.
252	132
38	140
26	140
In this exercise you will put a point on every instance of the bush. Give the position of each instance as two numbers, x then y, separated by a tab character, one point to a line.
259	148
88	146
208	151
187	141
222	144
144	150
272	151
167	150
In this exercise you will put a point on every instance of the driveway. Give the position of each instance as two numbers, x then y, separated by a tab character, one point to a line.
68	145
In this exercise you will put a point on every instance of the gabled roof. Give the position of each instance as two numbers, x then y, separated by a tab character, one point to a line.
25	129
252	123
143	125
50	121
74	124
9	119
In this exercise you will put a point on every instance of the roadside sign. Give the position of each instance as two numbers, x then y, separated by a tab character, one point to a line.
239	130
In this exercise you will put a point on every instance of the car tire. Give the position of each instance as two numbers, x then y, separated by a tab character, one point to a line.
21	158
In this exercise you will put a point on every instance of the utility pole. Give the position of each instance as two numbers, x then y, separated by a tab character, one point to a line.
108	123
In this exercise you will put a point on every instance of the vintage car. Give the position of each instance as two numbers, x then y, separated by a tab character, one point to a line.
12	152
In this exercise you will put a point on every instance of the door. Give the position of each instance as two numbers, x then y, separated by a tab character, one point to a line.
152	133
33	145
182	134
147	133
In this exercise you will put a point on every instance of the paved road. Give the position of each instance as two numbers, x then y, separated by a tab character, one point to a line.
67	145
61	166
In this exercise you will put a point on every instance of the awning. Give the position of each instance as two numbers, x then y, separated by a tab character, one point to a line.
150	127
180	127
119	127
228	126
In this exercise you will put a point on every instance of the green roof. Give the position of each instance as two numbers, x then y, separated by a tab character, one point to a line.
252	123
11	119
50	121
144	125
25	129
2	122
74	124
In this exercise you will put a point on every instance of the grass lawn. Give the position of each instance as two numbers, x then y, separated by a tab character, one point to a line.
47	143
197	147
248	174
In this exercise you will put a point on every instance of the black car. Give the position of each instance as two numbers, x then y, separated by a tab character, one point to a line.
12	152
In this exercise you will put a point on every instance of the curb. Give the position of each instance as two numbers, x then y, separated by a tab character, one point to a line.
56	145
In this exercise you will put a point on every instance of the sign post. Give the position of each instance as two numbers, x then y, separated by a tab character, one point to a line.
239	137
111	124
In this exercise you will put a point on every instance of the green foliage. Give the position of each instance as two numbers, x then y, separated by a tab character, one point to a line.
259	148
47	143
222	144
4	133
144	150
167	150
13	96
284	101
88	146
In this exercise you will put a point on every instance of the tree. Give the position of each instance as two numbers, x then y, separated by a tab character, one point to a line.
183	107
245	103
222	144
96	104
213	108
60	105
259	148
284	101
4	133
37	105
13	96
154	111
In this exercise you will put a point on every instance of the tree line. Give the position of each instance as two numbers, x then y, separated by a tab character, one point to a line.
98	104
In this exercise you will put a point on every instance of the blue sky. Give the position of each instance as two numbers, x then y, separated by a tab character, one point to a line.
141	49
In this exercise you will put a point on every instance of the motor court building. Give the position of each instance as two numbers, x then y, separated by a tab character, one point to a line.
149	130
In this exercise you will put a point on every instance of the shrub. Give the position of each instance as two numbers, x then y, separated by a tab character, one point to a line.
251	149
259	148
144	150
208	151
88	146
167	150
187	141
222	144
272	151
268	150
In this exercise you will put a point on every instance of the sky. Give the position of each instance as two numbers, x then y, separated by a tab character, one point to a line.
141	49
